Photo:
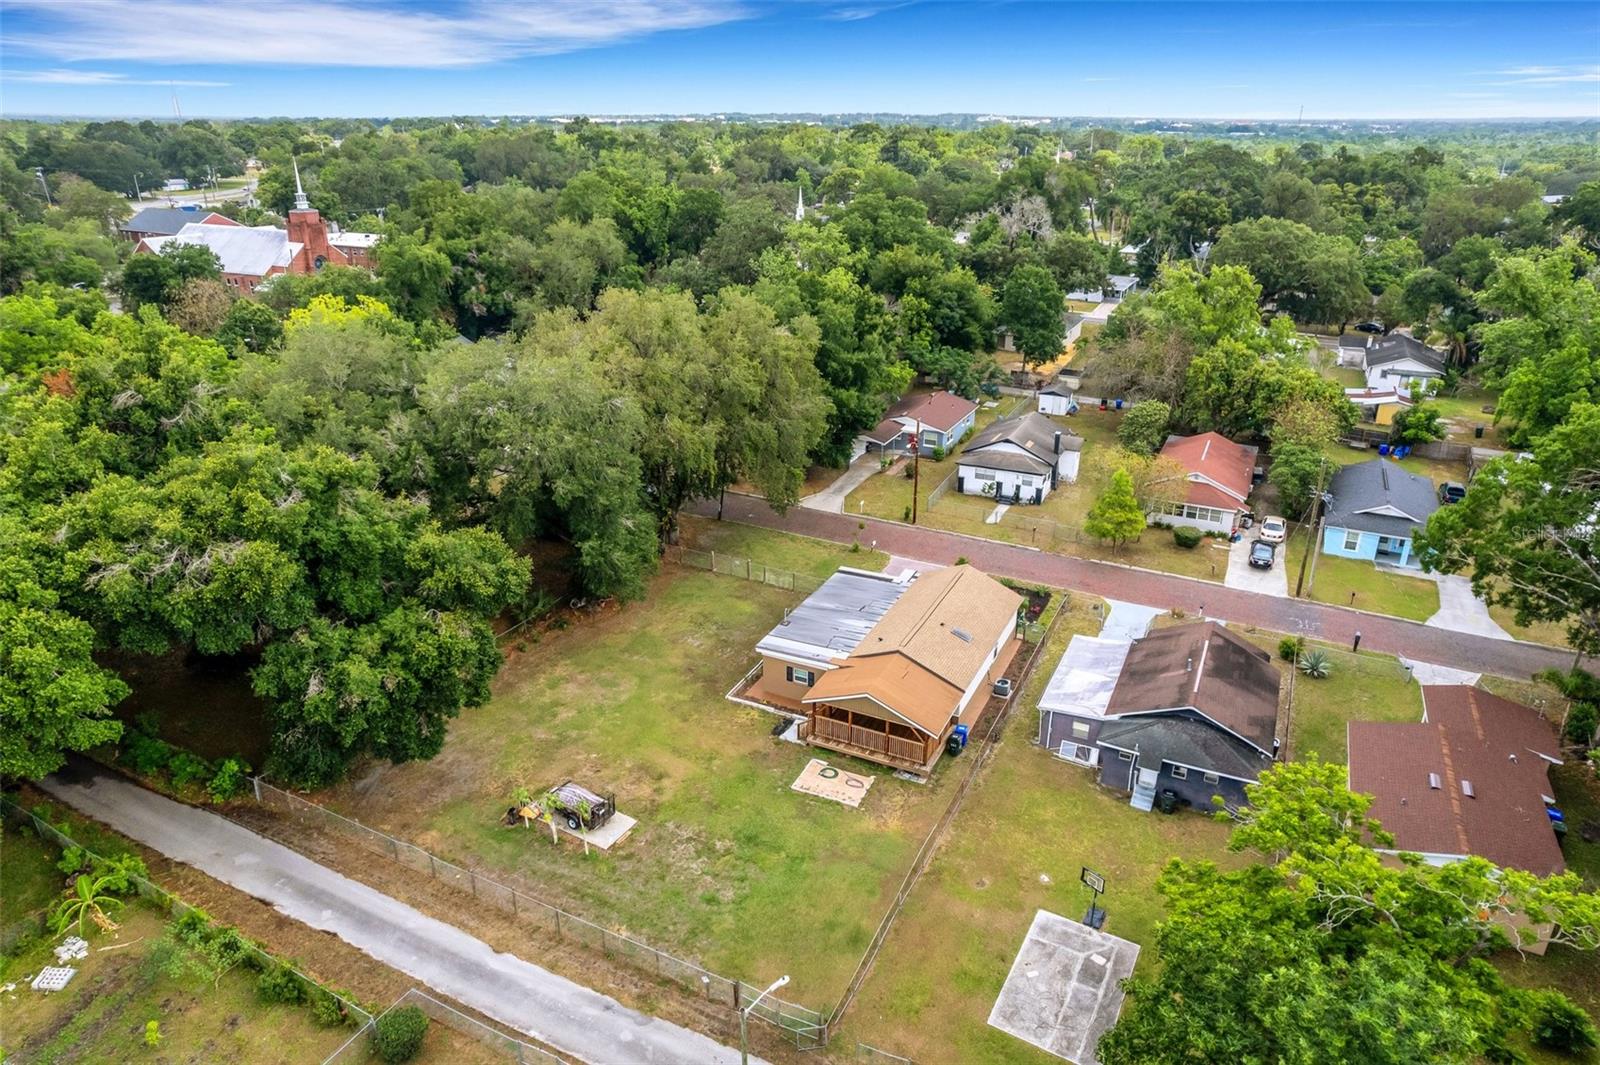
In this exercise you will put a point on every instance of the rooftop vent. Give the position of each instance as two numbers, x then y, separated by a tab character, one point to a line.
1466	789
1433	781
963	635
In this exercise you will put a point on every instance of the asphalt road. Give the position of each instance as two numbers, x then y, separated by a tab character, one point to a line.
559	1013
1379	632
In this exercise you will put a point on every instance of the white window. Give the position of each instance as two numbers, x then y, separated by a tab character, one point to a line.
1210	778
1080	729
983	475
1352	539
1180	772
800	676
1125	756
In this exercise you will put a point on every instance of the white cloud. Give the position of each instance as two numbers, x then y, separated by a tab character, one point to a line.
1547	75
61	76
347	33
857	12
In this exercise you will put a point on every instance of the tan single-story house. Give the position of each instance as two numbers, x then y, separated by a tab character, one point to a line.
884	667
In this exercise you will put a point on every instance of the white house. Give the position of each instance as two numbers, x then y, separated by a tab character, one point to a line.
1398	362
1218	475
1018	460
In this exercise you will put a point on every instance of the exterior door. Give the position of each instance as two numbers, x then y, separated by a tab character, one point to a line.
1148	777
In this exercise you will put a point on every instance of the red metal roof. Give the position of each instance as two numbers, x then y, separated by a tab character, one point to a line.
1217	459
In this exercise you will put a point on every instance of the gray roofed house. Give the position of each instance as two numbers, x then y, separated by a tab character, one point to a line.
1377	508
1399	361
1191	709
1019	460
165	221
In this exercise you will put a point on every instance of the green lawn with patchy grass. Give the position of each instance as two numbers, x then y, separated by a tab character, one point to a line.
801	554
29	879
728	865
102	1013
1331	579
1029	825
1358	687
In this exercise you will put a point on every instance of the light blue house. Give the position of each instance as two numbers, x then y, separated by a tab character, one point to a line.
1377	508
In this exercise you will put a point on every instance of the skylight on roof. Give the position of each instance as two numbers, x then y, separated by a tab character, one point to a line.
1433	781
963	635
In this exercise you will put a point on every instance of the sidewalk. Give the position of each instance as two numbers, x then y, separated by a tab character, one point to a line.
1335	624
550	1008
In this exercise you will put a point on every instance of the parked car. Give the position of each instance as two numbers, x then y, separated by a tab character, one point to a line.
1369	327
1262	554
1452	492
1274	530
579	807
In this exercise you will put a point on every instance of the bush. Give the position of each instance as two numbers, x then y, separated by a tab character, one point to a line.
1581	722
398	1034
1186	537
327	1008
1560	1024
146	755
229	780
937	454
189	770
279	984
1289	647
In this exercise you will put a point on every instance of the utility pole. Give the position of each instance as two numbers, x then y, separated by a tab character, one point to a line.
137	195
1316	521
744	1014
916	470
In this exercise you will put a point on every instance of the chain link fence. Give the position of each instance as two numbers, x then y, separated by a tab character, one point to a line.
805	1027
357	1048
748	569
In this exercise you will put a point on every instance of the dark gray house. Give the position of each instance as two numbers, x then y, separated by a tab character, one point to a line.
165	221
1192	709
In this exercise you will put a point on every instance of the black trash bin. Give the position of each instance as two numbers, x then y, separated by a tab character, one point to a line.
1167	801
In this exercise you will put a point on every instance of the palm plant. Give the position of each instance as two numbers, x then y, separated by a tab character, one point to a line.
87	901
1315	664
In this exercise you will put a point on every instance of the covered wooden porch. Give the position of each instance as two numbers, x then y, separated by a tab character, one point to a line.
891	743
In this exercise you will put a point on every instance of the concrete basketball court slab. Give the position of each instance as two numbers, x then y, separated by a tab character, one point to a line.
829	782
1064	990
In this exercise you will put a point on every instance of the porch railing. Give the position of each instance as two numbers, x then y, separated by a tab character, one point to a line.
826	730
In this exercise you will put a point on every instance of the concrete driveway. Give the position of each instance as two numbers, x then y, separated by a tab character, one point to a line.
1459	609
1241	574
554	1010
831	499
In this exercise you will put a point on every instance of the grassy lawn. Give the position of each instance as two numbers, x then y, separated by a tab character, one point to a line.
1464	412
888	495
1383	592
1436	470
1360	687
728	865
1024	832
1545	632
101	1015
817	558
29	880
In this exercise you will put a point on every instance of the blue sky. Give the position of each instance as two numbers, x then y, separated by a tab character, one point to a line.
433	57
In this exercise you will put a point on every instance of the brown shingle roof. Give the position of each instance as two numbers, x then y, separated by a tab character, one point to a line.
937	410
893	681
1470	738
1202	665
927	622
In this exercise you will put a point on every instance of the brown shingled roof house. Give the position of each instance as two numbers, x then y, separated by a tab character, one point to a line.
924	667
1472	777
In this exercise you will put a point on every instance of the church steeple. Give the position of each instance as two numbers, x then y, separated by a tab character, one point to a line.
800	205
300	201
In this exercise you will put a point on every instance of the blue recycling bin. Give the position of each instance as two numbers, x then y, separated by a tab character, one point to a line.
1383	449
1119	404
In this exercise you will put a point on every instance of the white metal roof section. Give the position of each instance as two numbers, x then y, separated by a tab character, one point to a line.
1083	681
248	250
354	240
835	618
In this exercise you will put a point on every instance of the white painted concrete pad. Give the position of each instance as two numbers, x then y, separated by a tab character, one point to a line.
1241	574
1128	621
1064	990
830	782
898	565
1428	673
